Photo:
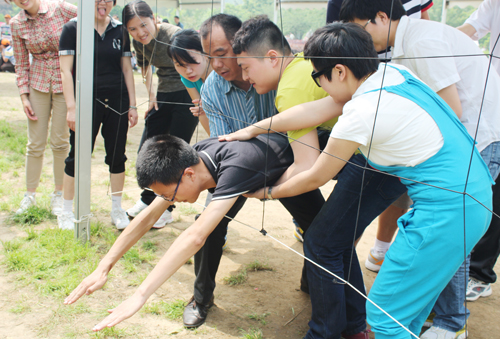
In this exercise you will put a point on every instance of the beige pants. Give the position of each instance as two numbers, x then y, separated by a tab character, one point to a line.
46	106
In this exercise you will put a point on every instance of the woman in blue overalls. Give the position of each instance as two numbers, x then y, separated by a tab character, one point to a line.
429	247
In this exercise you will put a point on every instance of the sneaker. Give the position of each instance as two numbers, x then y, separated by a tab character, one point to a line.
166	218
298	233
119	218
66	220
476	289
136	209
374	260
56	203
430	320
28	200
440	333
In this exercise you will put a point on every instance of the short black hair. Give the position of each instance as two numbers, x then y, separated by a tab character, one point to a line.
176	17
342	43
258	35
181	42
162	159
229	24
368	9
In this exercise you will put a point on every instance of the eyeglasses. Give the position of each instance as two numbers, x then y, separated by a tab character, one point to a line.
315	75
106	1
175	192
364	26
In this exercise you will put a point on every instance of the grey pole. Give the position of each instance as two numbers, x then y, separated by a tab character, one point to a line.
83	129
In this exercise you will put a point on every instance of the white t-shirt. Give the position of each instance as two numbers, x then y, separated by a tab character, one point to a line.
418	40
404	134
487	19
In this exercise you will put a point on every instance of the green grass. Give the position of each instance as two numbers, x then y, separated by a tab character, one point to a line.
187	209
253	333
258	266
34	215
258	317
13	141
50	259
149	245
172	310
110	332
237	278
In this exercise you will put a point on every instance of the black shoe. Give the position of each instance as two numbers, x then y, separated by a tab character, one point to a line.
195	314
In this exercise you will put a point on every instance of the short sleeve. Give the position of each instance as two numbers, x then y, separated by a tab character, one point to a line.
234	181
426	5
437	73
126	43
67	41
356	122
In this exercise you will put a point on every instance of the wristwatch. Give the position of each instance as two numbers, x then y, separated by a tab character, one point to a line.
269	193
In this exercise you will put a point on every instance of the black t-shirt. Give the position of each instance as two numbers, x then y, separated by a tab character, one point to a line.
238	167
108	51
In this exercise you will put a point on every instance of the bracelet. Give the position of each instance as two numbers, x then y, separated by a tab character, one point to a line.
133	107
269	193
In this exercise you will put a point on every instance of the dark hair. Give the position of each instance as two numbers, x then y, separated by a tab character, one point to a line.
339	42
136	8
229	24
165	20
368	9
176	17
258	35
162	159
181	42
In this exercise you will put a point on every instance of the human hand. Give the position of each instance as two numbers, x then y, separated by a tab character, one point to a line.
133	117
197	110
28	110
259	194
242	134
89	285
152	104
123	311
70	118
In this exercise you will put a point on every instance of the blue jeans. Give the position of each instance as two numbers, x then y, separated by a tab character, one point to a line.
451	313
337	308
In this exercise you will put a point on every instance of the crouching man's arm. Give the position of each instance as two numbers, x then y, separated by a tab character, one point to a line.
134	231
183	248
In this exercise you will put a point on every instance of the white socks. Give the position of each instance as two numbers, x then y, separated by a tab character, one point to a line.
68	205
116	202
381	246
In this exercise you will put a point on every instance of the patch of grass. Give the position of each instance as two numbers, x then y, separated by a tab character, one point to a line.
34	215
172	310
236	278
21	308
50	259
189	261
13	140
138	256
257	266
149	245
137	280
187	209
253	333
109	332
258	317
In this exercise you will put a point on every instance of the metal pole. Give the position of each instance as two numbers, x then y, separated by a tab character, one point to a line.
275	17
83	129
443	12
222	5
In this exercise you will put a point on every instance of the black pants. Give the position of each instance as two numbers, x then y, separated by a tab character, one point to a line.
114	131
7	66
173	119
303	208
486	252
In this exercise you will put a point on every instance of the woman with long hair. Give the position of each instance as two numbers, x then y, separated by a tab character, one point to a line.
168	111
36	30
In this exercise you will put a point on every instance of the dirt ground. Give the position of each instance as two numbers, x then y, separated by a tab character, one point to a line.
275	293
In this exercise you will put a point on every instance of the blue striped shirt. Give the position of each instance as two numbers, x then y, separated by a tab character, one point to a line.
230	108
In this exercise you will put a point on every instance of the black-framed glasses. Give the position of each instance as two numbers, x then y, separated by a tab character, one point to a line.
175	192
315	75
106	1
364	26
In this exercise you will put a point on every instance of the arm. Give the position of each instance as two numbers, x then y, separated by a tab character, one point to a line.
197	110
450	95
295	118
137	228
467	29
147	72
183	248
66	62
425	15
325	168
128	75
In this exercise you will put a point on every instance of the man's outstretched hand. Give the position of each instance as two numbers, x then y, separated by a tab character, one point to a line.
89	285
124	311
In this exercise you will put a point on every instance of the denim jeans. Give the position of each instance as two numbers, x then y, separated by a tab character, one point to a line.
451	313
337	308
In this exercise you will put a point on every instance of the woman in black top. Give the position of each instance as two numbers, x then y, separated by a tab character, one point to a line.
168	111
114	93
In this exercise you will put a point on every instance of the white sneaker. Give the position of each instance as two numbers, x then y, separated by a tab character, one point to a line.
476	289
119	218
374	260
66	220
166	218
440	333
136	209
56	203
28	200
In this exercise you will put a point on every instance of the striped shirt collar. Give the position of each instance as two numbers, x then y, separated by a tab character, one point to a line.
43	9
